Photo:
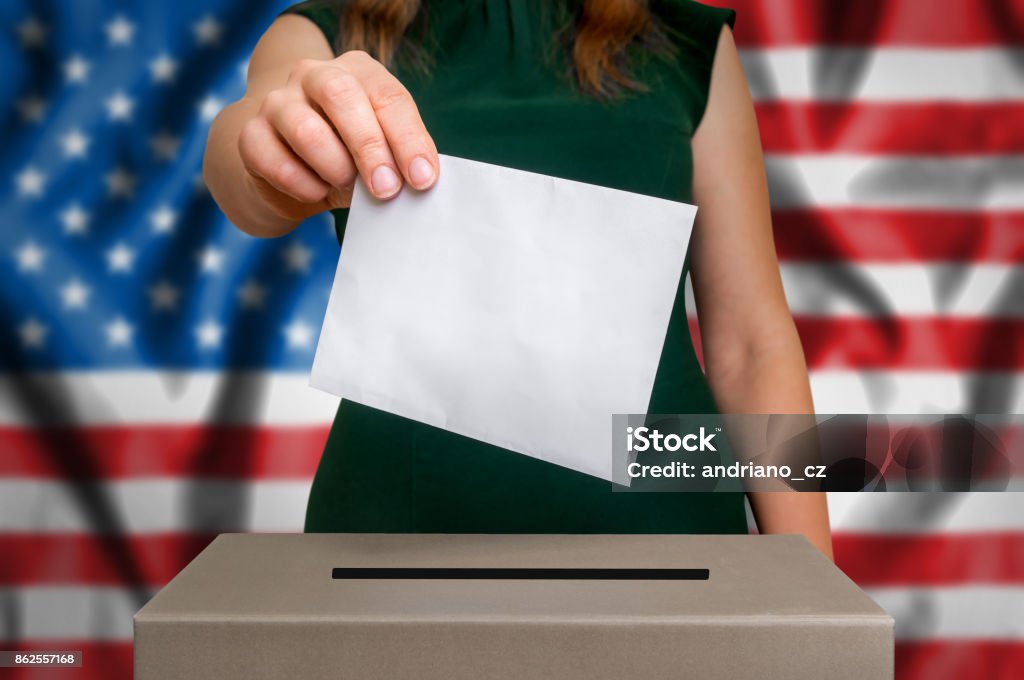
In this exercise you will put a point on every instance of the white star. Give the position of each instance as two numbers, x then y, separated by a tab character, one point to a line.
75	220
209	108
165	146
76	69
162	219
120	258
297	257
120	106
75	144
119	332
30	182
252	295
32	109
120	31
163	296
120	183
210	260
299	335
75	294
30	257
32	333
209	334
32	32
207	30
163	68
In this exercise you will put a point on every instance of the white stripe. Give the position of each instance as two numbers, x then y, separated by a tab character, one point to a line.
112	398
925	513
163	397
958	613
182	505
874	290
895	182
916	392
98	613
101	614
854	289
152	506
884	74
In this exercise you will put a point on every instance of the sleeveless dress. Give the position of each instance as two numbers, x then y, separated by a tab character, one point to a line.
498	91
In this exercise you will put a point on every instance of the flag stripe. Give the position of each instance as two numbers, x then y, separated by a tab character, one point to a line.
885	290
153	559
925	514
868	391
906	343
205	506
989	659
147	560
891	128
100	660
165	397
105	613
896	182
159	505
207	452
119	398
961	612
898	236
908	23
913	343
902	74
873	560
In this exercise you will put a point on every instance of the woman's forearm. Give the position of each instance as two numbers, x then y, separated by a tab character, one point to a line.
769	375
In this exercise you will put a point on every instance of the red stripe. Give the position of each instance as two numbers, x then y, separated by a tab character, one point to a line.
913	343
100	660
867	235
931	560
907	343
158	451
939	128
933	660
951	23
949	659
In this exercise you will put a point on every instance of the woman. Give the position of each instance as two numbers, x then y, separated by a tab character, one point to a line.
644	97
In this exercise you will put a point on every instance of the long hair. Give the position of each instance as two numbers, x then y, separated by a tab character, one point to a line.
598	37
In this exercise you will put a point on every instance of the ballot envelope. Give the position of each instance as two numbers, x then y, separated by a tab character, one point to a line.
453	606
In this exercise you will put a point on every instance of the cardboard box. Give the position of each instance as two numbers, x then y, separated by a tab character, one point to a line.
511	606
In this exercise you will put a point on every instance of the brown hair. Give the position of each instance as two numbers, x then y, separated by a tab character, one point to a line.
598	37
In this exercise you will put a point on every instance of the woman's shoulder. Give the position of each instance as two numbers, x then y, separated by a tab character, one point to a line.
699	13
324	13
694	24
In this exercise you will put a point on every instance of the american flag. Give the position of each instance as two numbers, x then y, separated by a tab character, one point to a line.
154	360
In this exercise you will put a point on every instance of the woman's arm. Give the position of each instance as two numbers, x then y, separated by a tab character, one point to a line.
752	353
308	125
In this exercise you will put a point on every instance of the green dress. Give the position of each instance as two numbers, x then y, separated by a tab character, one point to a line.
497	91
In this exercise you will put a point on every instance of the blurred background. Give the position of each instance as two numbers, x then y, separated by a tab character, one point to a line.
154	361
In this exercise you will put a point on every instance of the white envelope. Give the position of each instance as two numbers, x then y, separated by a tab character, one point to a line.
515	308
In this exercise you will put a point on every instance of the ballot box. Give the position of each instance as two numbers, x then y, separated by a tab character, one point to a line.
522	607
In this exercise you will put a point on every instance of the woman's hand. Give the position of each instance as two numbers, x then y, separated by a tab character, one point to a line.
331	122
308	127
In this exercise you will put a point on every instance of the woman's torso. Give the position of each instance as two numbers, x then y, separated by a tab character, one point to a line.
499	92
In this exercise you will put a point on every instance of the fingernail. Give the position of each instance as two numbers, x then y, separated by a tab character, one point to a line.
384	182
421	172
